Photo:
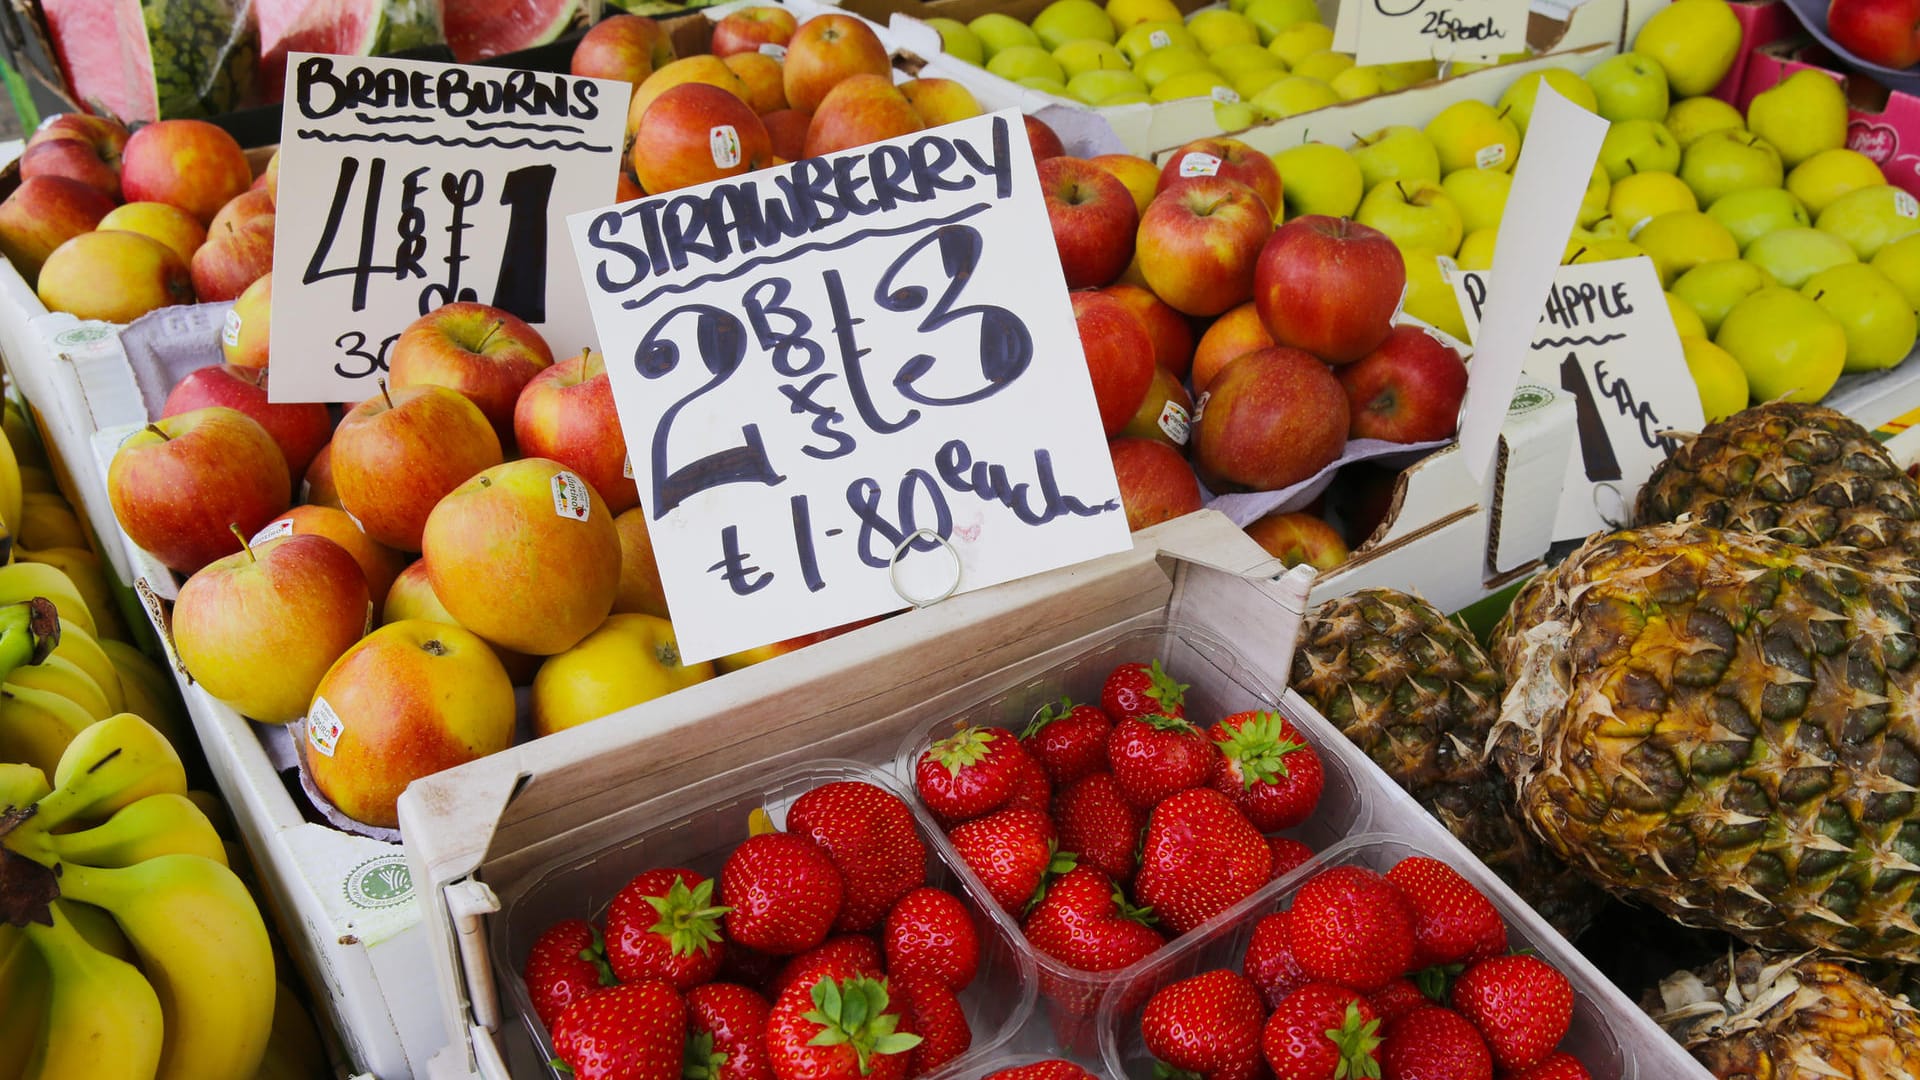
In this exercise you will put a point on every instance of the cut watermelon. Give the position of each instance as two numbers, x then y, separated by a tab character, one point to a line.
478	29
158	59
343	27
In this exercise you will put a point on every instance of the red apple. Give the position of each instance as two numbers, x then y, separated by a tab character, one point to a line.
860	110
396	453
1172	334
105	132
788	130
1296	538
746	29
243	340
1156	483
299	429
191	164
1407	390
825	51
1044	141
1273	418
1165	413
483	352
233	258
1885	32
760	74
640	589
269	178
566	414
379	564
695	133
1093	220
1119	356
113	276
412	598
180	485
1230	159
1329	286
1140	175
1232	336
1199	243
241	209
316	488
43	213
73	159
710	70
941	101
624	48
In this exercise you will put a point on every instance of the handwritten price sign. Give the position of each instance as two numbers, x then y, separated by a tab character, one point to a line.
1393	31
424	184
850	383
1606	338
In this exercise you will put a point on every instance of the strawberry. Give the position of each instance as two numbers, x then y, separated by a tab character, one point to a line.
930	934
1200	858
1050	1069
1032	787
1397	999
566	963
783	891
838	1029
1207	1026
664	923
635	1031
1137	689
1070	743
1520	1003
1349	925
726	1034
1099	826
1288	855
1266	767
845	954
1433	1043
1322	1032
930	1011
1157	756
750	967
1452	922
1557	1066
968	774
1269	961
871	836
1012	851
1084	922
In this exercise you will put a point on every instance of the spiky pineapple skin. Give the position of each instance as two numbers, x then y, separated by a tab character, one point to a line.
1725	727
1416	692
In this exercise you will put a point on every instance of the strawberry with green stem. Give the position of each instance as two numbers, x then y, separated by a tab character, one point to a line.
870	834
1085	922
1069	741
783	892
1267	769
1201	856
1099	826
664	923
1322	1032
726	1034
1521	1003
634	1031
1206	1027
1155	756
840	1028
1012	851
567	962
1135	689
968	774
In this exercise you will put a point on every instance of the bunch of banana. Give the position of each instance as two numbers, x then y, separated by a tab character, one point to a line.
54	677
193	993
89	578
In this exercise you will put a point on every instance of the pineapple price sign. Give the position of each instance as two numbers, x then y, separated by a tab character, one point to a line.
849	385
422	185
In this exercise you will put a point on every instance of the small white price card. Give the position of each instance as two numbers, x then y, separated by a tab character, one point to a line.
1393	31
1607	339
419	185
850	384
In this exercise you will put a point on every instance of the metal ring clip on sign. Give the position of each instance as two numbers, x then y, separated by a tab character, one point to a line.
900	550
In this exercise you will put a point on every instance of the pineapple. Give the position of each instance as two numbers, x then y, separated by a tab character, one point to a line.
1788	1018
1415	691
1726	728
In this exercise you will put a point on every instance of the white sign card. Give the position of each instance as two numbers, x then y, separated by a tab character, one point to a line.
815	363
1607	339
1395	31
423	184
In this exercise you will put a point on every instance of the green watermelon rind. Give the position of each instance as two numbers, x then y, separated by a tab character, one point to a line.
204	53
406	24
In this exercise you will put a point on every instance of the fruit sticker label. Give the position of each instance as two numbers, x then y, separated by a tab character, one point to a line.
775	51
1491	156
273	530
424	185
570	497
323	727
1174	422
1397	31
1196	163
1906	205
845	380
230	330
724	143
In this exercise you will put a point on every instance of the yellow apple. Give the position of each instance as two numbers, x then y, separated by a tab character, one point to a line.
1519	98
1718	377
1217	28
1300	41
1713	288
1319	178
1474	135
1803	114
1879	322
1476	250
1829	174
1322	65
1413	214
1143	38
1593	202
1688	120
1429	297
628	660
1900	261
1643	196
1358	82
1292	96
1789	346
1680	240
1129	13
1685	320
1695	42
1480	195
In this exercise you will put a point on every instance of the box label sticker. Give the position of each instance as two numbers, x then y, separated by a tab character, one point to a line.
1174	422
724	142
324	727
1394	31
383	881
273	530
1195	163
570	496
230	330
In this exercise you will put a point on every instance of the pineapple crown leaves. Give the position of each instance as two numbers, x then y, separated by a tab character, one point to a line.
967	746
853	1013
688	918
701	1061
1046	716
1163	689
1356	1040
596	954
1059	864
1260	745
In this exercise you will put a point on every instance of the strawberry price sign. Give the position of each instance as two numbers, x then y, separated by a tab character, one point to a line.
850	384
428	184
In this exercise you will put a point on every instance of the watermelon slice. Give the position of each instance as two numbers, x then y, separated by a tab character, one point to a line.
478	29
156	59
344	27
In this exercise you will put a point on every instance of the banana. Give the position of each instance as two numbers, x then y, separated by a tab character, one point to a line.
80	649
205	949
46	521
214	810
65	678
21	785
23	439
100	931
23	1000
295	1051
33	478
148	689
103	1017
12	505
111	764
26	580
83	568
36	726
162	824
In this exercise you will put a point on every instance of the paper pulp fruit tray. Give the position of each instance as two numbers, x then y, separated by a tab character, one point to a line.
997	1002
1593	1039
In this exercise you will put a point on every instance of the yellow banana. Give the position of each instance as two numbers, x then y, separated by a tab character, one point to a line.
33	478
295	1051
214	811
26	580
111	764
65	678
80	649
83	568
11	494
21	785
204	947
46	521
22	438
37	726
23	1000
149	691
163	824
99	930
103	1017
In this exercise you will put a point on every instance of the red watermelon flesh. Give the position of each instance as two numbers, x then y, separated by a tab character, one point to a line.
142	60
103	51
478	29
316	26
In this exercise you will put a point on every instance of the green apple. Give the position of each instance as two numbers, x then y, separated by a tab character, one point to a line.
1249	85
1900	262
1145	37
1073	20
1233	115
1300	41
1217	28
1413	214
1586	248
1094	87
1323	65
1755	212
1694	117
1695	42
1480	195
1126	97
1871	218
1789	346
1398	152
1830	174
1086	54
1319	178
1718	377
1685	322
1237	60
1407	73
1801	115
1879	322
1712	288
1474	135
1017	62
1593	202
1612	227
1683	239
1430	296
1518	98
1476	249
1162	64
1720	162
998	31
1638	146
1629	87
1270	17
1046	84
1292	96
1644	196
1129	13
1358	82
1794	255
958	41
1192	84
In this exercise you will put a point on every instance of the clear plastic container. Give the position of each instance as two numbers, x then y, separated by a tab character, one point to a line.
700	837
1220	683
1593	1038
